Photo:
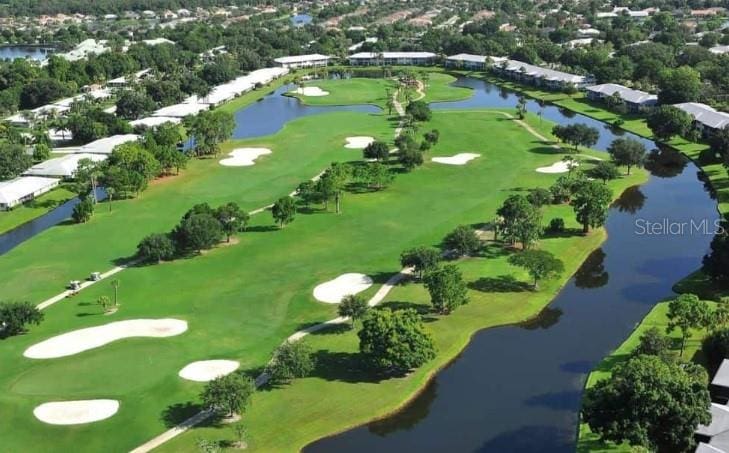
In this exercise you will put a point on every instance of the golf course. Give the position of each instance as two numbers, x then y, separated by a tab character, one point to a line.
243	298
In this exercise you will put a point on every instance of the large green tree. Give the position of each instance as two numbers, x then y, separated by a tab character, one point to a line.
627	151
462	241
395	341
210	128
667	121
16	316
421	259
446	287
540	264
283	211
591	203
228	394
687	312
678	85
522	221
290	361
650	403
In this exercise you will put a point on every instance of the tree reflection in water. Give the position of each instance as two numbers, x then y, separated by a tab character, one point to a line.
630	201
592	273
665	162
409	416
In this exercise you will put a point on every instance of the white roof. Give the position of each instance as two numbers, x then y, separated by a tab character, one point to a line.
475	58
157	41
62	166
714	119
625	93
368	55
301	58
181	110
152	121
543	73
719	49
107	144
16	189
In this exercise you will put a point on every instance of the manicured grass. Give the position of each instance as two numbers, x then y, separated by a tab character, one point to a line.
35	208
590	442
39	268
373	91
243	300
352	395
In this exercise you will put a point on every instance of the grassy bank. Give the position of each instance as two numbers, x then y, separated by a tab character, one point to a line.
34	209
374	91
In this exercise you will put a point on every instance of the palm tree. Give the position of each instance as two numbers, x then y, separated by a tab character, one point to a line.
110	192
115	285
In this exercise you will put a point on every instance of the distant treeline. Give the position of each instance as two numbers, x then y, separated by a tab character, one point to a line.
100	7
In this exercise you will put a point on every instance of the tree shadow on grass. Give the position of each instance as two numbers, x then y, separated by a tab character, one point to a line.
546	148
344	367
85	314
262	228
500	284
494	250
177	413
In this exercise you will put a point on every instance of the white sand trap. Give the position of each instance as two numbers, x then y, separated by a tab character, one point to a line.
358	142
458	159
93	337
207	370
333	291
75	412
244	157
557	167
311	91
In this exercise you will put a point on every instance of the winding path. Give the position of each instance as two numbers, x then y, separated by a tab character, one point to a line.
263	378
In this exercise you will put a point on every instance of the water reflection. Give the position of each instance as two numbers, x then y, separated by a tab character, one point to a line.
544	320
592	274
630	201
665	162
409	416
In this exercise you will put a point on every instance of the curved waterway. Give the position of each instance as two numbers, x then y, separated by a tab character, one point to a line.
264	117
518	388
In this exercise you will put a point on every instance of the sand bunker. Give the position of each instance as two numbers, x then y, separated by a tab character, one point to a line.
93	337
75	412
557	167
333	291
458	159
244	157
358	142
207	370
311	91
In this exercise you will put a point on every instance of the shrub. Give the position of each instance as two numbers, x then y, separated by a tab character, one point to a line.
556	225
716	348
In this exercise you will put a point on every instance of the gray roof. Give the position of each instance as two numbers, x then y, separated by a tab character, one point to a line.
719	421
714	119
368	55
625	93
543	73
706	448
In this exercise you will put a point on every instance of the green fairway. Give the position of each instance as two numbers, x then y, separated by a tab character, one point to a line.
244	299
39	268
354	398
35	208
374	91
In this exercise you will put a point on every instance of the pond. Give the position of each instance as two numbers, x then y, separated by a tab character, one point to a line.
518	388
32	52
299	20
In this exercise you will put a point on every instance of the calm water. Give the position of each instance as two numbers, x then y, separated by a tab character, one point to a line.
273	111
32	52
264	117
518	388
300	20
